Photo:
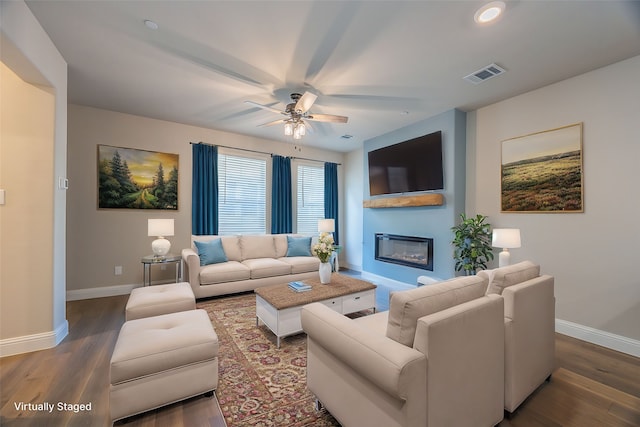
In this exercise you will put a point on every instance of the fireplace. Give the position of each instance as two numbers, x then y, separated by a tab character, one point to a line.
405	250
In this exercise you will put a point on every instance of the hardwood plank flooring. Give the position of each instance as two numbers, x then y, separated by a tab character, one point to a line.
592	385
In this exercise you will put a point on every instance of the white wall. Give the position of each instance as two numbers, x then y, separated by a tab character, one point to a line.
100	239
33	156
592	255
353	197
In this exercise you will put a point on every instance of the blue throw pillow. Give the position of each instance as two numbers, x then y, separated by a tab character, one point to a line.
298	246
211	252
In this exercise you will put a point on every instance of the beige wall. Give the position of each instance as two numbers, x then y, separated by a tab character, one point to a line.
100	239
32	157
593	255
26	123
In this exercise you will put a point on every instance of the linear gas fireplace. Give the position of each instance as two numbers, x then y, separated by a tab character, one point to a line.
405	250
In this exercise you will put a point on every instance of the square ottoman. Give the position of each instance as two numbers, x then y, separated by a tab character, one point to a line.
160	299
161	360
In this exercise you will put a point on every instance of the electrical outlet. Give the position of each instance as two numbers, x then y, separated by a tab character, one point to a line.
117	270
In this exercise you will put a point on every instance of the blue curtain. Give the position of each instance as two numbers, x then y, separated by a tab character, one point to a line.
281	201
331	195
204	192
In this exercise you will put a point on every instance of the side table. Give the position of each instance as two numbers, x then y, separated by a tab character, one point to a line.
150	260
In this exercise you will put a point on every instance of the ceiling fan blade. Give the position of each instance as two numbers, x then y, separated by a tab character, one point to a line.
275	122
305	102
327	118
265	107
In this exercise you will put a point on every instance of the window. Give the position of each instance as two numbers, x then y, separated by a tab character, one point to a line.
310	198
242	188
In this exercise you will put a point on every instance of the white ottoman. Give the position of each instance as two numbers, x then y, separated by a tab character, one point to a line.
160	299
161	360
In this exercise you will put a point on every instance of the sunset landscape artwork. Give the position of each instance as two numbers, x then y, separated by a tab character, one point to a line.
542	172
129	178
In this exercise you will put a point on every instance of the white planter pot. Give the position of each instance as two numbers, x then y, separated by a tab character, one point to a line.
325	272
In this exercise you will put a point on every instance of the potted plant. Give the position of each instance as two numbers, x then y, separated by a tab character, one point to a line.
472	242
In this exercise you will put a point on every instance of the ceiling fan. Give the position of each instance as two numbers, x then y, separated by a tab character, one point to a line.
297	113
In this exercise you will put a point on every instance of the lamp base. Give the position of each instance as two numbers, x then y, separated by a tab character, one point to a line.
504	258
160	246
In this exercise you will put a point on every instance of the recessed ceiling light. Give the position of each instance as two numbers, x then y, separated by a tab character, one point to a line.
489	12
150	24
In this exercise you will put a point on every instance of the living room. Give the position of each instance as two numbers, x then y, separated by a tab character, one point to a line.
76	245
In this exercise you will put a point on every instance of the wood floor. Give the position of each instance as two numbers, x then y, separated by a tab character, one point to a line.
592	386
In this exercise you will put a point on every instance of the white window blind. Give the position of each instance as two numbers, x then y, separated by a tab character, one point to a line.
242	186
310	198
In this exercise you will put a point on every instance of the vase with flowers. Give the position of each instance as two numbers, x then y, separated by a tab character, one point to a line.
323	250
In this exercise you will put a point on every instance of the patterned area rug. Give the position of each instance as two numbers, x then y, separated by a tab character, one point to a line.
260	385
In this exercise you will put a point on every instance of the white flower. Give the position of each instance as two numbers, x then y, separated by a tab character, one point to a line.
324	248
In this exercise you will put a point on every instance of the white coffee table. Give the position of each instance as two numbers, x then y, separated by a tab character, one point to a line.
278	306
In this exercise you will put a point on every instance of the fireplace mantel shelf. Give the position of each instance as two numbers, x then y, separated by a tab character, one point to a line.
430	199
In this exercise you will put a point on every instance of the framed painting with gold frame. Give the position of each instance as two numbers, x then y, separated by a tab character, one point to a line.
543	172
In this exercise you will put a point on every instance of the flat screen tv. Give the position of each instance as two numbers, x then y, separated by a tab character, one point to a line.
409	166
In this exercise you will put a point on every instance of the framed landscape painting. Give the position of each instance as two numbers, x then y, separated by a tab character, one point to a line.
129	178
542	172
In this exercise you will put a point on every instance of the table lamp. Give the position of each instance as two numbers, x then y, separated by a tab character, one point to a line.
160	228
505	238
326	225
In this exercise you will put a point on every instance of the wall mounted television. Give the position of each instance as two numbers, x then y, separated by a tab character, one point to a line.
406	167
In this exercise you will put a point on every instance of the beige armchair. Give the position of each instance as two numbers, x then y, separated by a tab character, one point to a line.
529	321
436	358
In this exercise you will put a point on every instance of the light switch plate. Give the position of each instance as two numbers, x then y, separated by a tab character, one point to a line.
63	183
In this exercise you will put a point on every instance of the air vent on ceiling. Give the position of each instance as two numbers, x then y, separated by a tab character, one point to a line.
485	73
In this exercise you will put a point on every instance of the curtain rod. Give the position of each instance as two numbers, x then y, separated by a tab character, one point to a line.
261	152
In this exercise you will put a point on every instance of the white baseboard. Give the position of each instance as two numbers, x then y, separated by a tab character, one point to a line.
35	342
598	337
101	292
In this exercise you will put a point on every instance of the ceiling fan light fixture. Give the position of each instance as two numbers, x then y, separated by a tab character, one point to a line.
489	12
296	133
288	129
302	129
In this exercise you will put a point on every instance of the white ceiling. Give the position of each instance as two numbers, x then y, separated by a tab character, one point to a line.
385	64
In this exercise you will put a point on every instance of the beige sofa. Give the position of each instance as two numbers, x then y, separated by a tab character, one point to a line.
249	261
436	358
529	323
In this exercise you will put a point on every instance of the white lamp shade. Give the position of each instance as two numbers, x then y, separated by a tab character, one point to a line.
326	225
160	227
506	238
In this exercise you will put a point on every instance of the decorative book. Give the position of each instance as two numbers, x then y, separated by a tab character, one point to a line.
299	286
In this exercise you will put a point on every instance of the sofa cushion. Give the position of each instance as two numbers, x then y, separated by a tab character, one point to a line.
406	307
301	264
230	244
257	246
229	271
280	240
298	246
210	252
266	267
510	275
